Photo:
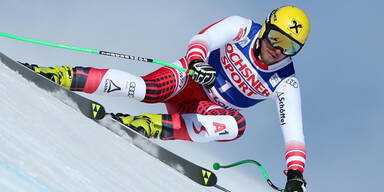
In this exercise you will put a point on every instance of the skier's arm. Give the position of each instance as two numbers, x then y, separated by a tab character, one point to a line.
288	100
229	29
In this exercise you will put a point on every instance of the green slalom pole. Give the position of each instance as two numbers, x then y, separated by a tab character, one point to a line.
112	54
217	166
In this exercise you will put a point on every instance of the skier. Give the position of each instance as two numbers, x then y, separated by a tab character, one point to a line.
237	62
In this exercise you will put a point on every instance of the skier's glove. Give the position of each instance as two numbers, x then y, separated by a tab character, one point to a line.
204	73
295	182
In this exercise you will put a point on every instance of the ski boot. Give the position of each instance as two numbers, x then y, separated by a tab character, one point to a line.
149	125
61	75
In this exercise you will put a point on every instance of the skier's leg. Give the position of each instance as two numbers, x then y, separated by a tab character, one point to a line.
203	121
163	84
152	88
155	87
108	82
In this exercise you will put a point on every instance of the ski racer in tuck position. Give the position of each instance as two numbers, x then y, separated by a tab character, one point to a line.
237	62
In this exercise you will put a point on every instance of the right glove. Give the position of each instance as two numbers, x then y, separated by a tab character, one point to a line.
204	73
295	182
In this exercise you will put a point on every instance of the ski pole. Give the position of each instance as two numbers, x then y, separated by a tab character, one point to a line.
107	53
217	166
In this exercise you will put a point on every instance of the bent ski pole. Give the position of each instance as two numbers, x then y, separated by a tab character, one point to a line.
107	53
217	166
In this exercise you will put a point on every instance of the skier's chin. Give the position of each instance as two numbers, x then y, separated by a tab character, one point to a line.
268	59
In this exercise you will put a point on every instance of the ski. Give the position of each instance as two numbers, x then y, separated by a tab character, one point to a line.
89	108
195	172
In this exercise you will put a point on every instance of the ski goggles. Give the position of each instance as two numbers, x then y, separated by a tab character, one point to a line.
282	41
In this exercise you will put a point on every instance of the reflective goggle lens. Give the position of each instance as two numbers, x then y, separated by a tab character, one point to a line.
279	40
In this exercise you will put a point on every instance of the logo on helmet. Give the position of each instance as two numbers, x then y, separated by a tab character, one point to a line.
295	26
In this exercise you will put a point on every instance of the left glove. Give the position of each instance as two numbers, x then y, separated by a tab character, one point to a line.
295	182
204	73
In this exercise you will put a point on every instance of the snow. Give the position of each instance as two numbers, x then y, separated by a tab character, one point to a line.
46	146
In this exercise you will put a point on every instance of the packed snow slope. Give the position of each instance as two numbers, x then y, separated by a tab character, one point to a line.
46	146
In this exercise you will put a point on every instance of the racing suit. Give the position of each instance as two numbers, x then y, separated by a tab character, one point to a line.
199	114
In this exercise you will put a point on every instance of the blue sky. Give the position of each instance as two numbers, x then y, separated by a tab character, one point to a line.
339	71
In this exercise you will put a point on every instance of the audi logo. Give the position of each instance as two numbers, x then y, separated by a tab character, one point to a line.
131	91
